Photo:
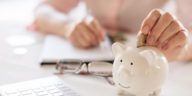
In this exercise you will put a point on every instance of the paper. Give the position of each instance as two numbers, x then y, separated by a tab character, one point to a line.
58	48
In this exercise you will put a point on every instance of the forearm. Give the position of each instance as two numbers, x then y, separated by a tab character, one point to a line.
51	21
48	20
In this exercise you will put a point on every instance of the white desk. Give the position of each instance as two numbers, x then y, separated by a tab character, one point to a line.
17	68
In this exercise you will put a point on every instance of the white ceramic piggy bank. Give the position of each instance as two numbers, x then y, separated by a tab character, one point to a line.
139	71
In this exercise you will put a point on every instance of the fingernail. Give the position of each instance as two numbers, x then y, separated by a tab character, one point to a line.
151	39
159	45
145	29
148	41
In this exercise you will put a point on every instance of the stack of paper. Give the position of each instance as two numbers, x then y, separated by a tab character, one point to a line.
58	48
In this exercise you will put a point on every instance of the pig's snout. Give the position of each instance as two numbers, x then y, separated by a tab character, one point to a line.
124	73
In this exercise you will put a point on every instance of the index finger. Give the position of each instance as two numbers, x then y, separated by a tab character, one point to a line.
98	31
150	21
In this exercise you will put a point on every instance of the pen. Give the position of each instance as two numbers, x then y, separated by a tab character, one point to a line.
48	62
69	61
62	61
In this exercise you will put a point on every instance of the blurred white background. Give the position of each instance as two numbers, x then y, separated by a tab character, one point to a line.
19	48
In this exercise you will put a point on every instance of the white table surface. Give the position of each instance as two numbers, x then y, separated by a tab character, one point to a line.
15	15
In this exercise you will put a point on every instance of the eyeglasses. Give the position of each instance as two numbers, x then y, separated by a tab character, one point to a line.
102	68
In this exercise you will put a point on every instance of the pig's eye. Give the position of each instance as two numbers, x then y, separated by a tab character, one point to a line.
131	63
121	60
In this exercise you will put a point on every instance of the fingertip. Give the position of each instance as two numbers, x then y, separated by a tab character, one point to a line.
183	35
150	40
168	15
165	47
145	29
94	43
100	34
159	46
103	36
150	20
102	39
157	12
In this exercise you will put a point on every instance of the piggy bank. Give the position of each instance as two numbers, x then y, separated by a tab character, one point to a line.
139	71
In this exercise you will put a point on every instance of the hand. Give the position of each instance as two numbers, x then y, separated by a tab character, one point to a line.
166	33
87	34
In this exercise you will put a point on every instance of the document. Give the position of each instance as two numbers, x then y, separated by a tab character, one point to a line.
58	48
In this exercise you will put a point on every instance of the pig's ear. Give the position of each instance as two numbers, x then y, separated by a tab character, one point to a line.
118	48
151	58
149	55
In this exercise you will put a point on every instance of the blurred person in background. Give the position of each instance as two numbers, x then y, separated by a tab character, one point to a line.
86	27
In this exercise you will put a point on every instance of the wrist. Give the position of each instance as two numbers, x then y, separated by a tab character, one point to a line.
69	29
65	28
